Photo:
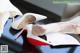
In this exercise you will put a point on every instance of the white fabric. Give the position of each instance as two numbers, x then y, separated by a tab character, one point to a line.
61	39
6	5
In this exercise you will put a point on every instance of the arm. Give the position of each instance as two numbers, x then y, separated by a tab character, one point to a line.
62	27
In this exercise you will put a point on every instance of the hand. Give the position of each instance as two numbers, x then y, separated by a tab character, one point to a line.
70	28
77	29
66	27
37	30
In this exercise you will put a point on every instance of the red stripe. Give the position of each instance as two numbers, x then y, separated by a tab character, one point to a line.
36	42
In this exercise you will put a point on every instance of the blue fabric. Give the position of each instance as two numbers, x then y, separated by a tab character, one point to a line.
7	33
